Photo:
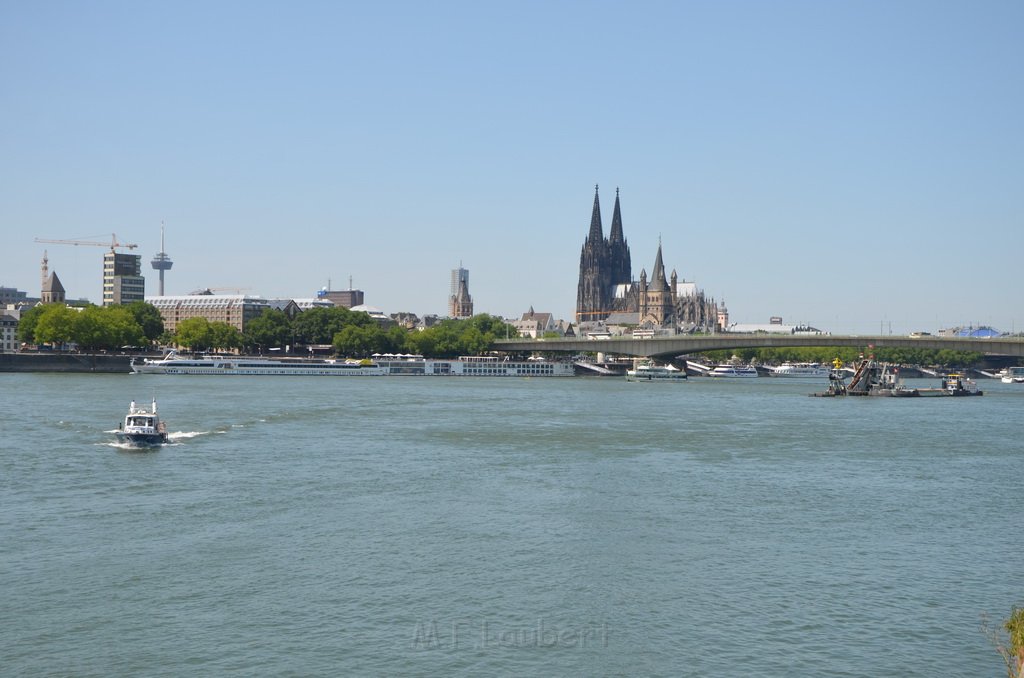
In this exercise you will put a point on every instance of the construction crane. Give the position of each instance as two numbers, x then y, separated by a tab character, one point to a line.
114	244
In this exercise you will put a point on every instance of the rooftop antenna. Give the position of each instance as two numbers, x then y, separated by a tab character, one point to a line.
161	262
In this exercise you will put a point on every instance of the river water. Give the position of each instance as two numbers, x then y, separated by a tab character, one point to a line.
489	526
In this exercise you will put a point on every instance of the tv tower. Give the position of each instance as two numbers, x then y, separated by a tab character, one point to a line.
161	261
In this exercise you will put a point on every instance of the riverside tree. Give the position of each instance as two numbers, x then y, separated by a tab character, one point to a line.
149	319
199	334
320	324
270	329
90	328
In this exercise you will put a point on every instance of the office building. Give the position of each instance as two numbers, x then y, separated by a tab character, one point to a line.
123	282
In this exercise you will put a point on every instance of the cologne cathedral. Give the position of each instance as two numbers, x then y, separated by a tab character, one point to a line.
607	292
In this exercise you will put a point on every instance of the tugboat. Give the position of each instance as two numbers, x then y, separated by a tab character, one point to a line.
142	427
956	384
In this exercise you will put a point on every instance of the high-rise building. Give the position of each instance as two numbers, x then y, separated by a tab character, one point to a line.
342	298
123	282
460	303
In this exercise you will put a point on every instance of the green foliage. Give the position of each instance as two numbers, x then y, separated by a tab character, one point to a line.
1014	627
194	333
199	334
224	336
55	325
494	326
107	327
1008	640
91	327
149	319
27	323
318	325
362	342
270	329
451	338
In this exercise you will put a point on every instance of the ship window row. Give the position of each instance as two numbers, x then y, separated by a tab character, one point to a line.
501	370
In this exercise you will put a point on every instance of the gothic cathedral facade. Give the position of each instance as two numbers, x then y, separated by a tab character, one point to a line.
607	291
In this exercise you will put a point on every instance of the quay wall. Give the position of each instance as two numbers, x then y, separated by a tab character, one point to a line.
65	362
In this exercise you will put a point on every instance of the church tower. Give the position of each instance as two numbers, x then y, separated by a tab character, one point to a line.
593	295
605	265
618	249
52	290
658	304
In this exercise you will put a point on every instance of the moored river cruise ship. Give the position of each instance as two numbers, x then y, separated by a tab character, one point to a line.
381	365
235	365
472	366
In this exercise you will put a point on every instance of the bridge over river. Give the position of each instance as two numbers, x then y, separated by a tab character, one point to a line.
666	347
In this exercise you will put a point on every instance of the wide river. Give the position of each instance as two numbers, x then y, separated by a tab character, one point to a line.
358	526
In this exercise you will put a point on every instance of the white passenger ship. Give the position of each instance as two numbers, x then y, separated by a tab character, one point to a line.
472	366
175	364
729	371
651	372
381	365
800	371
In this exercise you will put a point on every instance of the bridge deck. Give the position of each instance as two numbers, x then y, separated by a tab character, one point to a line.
683	344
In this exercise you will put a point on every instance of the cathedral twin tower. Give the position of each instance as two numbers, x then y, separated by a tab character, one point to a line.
606	285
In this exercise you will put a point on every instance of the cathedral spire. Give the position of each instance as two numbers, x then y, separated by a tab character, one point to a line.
596	229
658	282
616	234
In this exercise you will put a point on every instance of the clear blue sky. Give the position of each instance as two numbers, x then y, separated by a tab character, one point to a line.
854	165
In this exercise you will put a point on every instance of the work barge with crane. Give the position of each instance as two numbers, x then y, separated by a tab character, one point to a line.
872	378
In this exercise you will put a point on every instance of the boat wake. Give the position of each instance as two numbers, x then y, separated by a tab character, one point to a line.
187	435
172	440
129	447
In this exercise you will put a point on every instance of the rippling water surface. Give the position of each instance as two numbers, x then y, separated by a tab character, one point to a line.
475	526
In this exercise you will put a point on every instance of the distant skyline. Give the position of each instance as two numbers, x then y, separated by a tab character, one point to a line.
858	167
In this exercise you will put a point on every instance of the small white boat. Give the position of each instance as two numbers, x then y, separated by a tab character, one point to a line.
1012	375
142	427
729	371
799	371
650	372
